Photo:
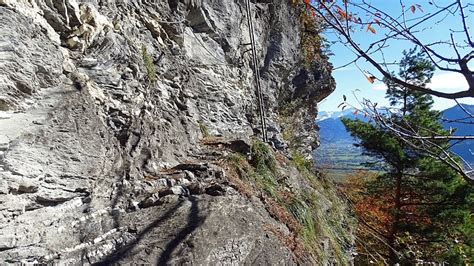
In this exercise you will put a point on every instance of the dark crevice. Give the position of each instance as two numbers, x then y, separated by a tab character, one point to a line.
6	248
50	203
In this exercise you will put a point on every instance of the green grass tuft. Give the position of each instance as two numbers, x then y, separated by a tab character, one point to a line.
204	129
4	106
308	209
149	65
262	157
301	162
265	163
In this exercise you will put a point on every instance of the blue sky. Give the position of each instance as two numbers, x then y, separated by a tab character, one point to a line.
349	79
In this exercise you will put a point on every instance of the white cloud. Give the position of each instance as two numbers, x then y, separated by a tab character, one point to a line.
379	87
448	82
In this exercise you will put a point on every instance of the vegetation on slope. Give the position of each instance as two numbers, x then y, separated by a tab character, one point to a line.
419	208
315	214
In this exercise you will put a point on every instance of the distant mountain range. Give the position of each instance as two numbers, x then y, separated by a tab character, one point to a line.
332	129
464	126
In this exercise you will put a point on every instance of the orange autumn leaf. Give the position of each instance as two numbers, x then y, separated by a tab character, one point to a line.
369	27
371	78
341	12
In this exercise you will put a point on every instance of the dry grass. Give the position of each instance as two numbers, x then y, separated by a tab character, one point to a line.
211	140
150	177
235	181
290	240
281	158
300	212
281	214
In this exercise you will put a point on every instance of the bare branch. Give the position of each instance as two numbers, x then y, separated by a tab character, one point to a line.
464	109
463	17
401	29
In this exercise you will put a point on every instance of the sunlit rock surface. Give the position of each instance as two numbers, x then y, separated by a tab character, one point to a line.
100	164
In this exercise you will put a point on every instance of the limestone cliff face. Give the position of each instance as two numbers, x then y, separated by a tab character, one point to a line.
115	117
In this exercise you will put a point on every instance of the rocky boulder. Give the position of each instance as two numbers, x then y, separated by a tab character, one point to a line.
107	111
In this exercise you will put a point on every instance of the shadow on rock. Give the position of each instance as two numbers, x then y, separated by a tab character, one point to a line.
121	253
194	221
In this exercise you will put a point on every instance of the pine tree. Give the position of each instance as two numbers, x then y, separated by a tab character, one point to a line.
430	205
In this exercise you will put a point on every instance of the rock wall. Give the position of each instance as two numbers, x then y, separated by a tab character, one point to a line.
104	106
